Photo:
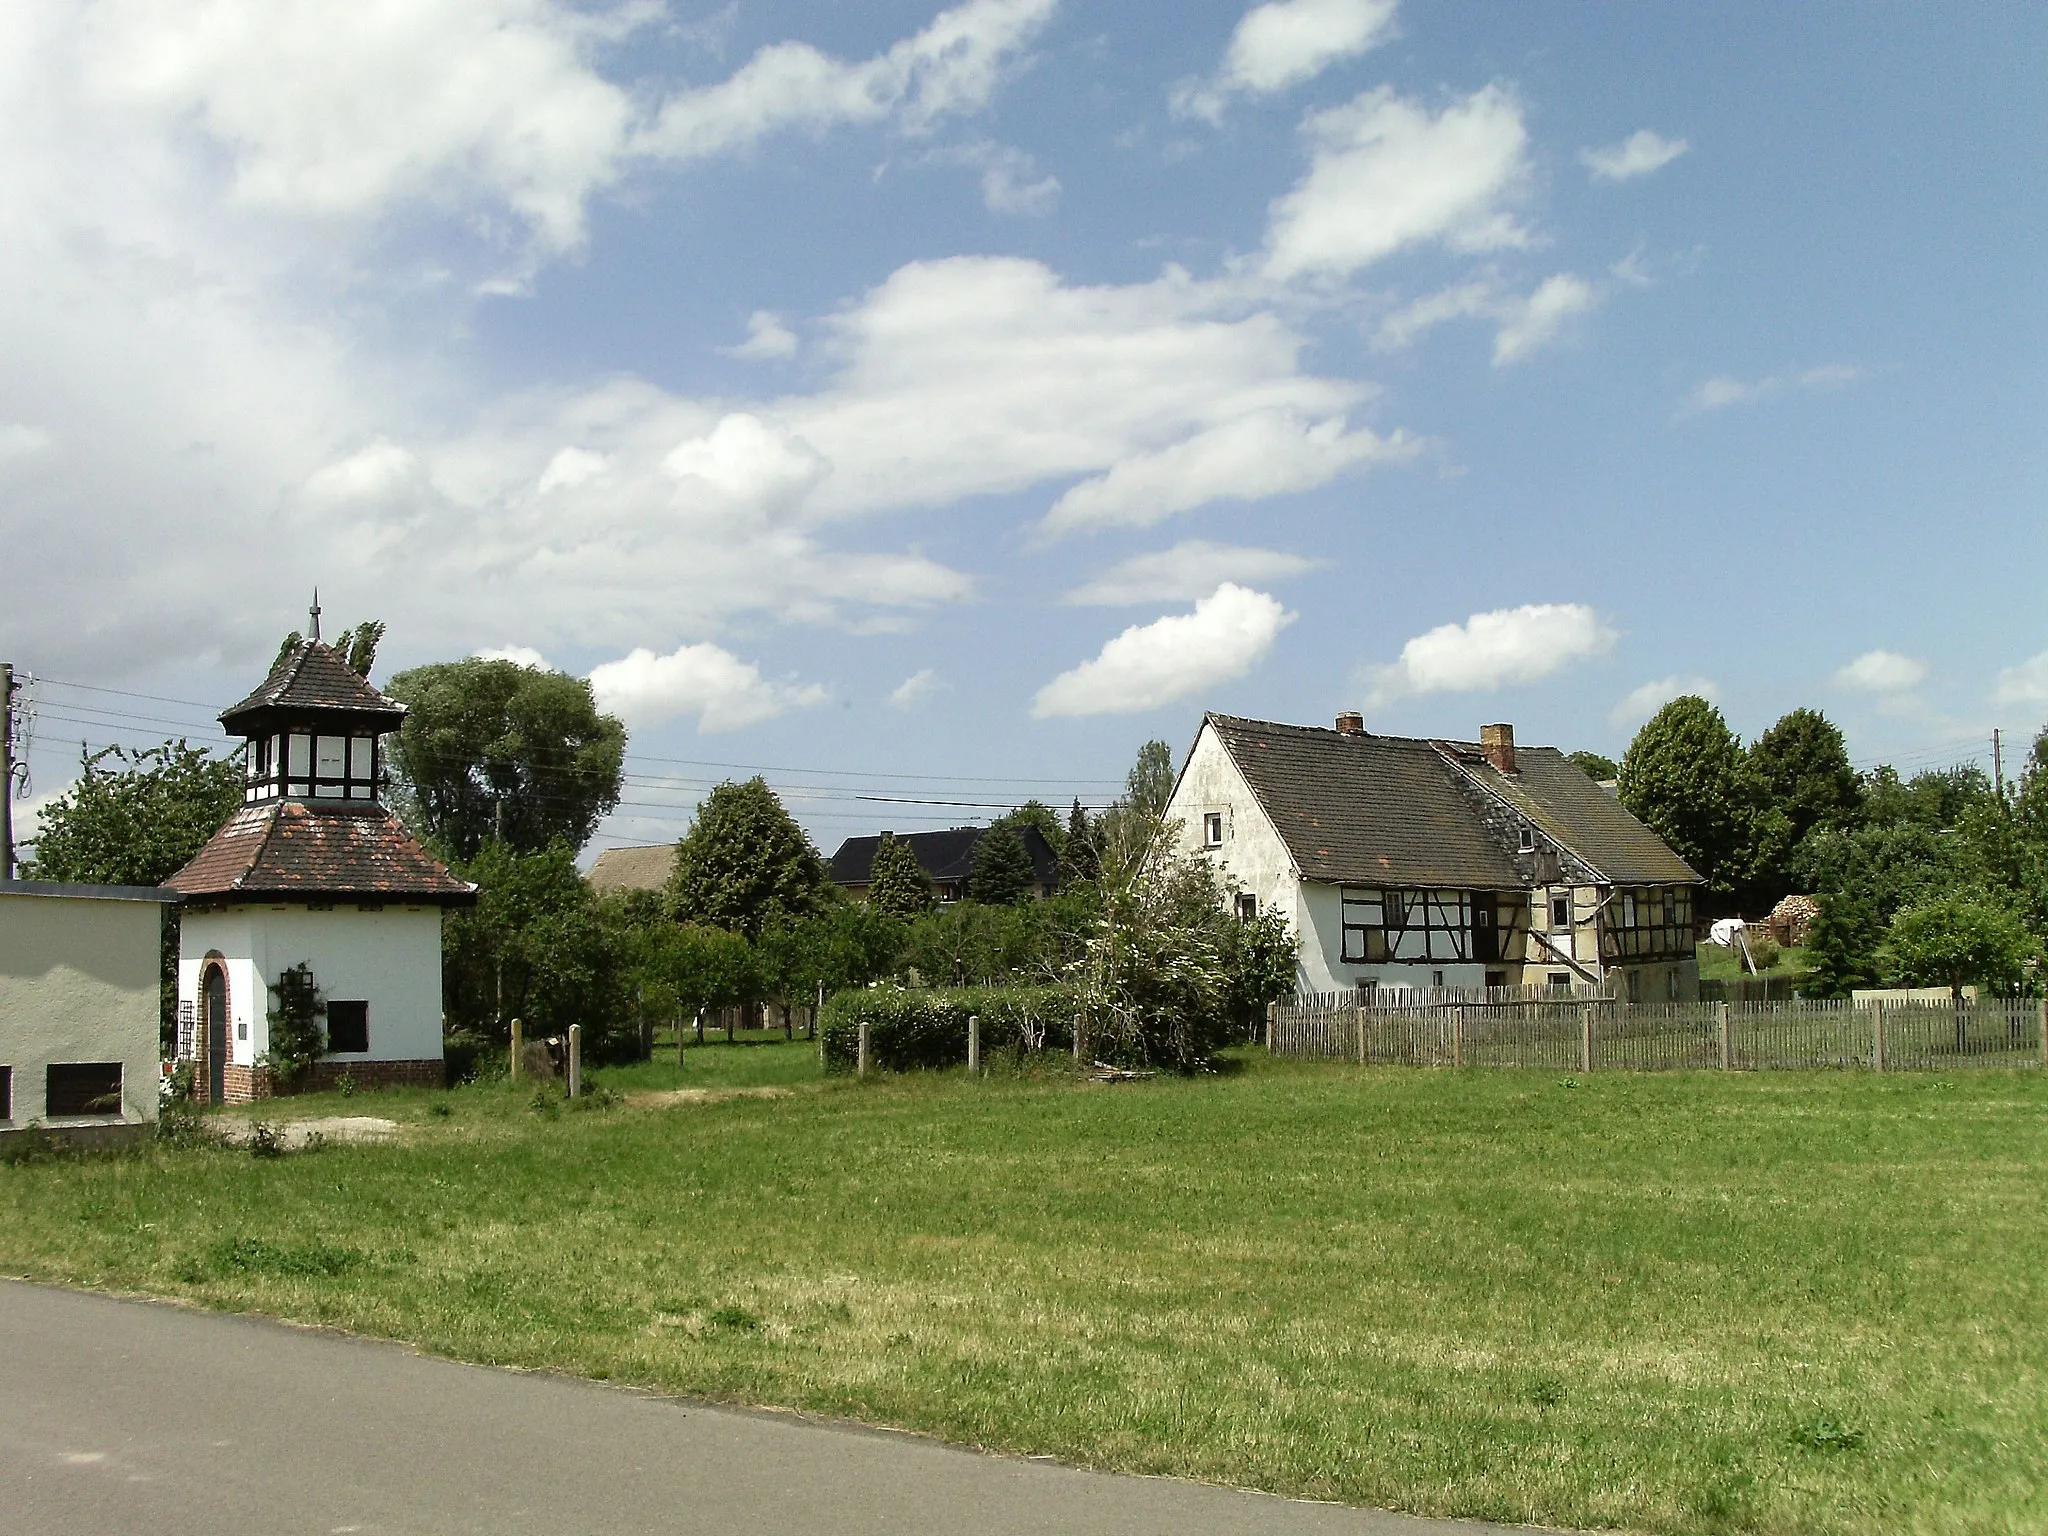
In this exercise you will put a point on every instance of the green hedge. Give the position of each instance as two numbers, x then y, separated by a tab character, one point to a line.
926	1027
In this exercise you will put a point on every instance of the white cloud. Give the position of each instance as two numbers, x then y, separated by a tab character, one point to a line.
1717	394
523	655
1270	453
570	468
1189	570
1882	672
1385	175
1011	182
950	68
767	337
19	441
1228	634
1534	322
1282	43
2026	683
377	472
1639	154
1527	322
1640	703
704	680
914	689
1494	650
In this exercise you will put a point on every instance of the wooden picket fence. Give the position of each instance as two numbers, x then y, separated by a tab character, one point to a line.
1593	1033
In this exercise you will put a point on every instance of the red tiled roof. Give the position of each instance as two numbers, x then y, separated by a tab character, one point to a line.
314	676
301	851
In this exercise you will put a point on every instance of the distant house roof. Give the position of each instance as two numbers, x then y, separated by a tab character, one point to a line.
313	678
161	895
1356	809
633	869
299	851
944	856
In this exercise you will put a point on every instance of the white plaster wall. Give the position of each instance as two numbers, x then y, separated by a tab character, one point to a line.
1252	855
79	982
390	959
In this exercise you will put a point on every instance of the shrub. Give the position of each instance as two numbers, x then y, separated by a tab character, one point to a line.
927	1027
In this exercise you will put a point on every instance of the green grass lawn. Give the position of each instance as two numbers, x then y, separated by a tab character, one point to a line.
1678	1303
1719	963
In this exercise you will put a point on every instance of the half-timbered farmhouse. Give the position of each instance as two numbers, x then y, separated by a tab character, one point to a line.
1404	862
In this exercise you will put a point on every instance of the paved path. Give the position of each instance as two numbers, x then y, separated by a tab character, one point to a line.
121	1416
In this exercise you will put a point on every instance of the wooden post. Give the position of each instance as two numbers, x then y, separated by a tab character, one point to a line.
1080	1034
575	1060
973	1043
680	1047
1586	1038
1458	1037
518	1047
1727	1040
1360	1012
2042	1020
866	1059
815	1012
1877	1035
1271	1010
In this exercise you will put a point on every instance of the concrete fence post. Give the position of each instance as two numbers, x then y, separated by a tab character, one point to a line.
1272	1009
575	1061
680	1047
866	1058
1727	1039
817	1012
2041	1022
1360	1012
1586	1038
1458	1037
518	1047
1877	1036
1080	1035
973	1044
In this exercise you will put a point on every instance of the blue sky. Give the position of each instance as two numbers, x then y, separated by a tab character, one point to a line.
938	402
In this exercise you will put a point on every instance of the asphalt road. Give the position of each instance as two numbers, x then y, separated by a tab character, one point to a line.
121	1416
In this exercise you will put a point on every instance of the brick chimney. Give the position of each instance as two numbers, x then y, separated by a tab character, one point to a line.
1351	723
1498	742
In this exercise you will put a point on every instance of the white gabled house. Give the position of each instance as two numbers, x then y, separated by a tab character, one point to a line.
1403	862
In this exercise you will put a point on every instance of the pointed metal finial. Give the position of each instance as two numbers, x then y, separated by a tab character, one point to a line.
315	613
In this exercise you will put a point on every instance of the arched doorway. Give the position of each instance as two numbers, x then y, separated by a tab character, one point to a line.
213	1007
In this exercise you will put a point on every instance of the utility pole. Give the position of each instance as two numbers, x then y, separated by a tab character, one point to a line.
6	770
1998	765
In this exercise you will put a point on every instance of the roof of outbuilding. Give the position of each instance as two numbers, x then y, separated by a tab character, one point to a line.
943	855
314	676
1568	806
634	869
300	851
1366	810
1389	810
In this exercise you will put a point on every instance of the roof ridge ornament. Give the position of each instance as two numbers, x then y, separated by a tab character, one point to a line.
314	614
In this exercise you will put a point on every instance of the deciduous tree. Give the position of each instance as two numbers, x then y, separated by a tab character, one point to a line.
1684	777
1959	939
745	865
1801	765
136	817
492	750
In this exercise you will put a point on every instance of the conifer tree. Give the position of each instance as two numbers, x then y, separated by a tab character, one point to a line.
897	883
1002	872
1078	860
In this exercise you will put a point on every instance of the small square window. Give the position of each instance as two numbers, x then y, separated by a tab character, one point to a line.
1212	830
1436	978
348	1027
74	1090
1247	906
1560	912
1528	834
1560	981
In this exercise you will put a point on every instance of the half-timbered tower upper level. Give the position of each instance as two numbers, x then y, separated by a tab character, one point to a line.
314	729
